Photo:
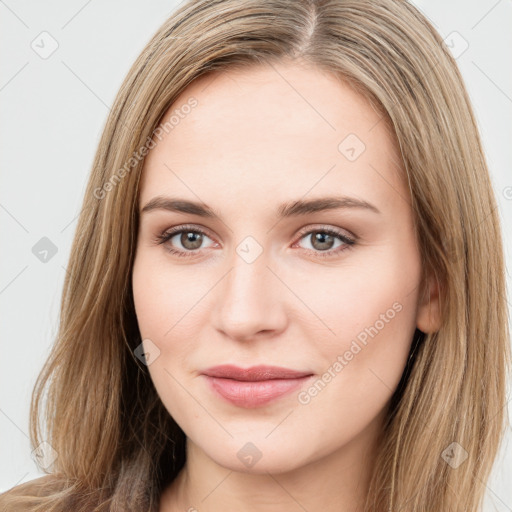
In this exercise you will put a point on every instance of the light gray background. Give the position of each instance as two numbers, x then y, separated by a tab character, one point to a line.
53	110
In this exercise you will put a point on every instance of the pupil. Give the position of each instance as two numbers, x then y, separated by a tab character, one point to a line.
321	238
191	240
324	240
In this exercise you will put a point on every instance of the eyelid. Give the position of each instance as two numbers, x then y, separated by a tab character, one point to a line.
169	233
343	233
303	231
348	239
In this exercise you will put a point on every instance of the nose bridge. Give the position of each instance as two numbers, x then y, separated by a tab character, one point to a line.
250	272
248	302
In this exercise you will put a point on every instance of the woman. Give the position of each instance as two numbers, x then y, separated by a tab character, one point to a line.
287	275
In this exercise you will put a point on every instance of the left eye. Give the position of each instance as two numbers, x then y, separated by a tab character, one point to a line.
191	239
323	240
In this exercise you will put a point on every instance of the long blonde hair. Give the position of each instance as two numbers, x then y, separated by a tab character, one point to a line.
116	445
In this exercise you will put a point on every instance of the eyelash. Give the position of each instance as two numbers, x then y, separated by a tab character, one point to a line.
168	234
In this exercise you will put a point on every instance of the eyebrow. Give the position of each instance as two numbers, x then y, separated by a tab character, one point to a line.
286	210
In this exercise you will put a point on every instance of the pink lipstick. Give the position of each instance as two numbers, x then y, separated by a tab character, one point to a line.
255	386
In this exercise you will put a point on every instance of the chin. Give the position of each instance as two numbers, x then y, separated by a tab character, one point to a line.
257	457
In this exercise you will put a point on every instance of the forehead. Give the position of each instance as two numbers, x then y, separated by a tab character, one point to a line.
276	131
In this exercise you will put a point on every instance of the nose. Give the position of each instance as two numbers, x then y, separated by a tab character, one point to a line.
249	301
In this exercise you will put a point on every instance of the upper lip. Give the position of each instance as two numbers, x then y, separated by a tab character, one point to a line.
254	373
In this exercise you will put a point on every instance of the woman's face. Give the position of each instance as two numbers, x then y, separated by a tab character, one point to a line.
307	261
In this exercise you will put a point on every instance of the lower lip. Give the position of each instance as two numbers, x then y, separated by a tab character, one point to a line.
251	394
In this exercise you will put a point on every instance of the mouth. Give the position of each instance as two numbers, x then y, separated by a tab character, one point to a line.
255	386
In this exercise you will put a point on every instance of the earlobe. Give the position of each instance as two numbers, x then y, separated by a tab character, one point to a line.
428	318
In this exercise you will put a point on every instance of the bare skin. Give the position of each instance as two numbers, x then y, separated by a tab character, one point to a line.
253	142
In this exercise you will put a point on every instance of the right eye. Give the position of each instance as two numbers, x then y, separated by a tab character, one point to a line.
190	238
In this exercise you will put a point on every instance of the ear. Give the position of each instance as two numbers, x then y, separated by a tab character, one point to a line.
428	316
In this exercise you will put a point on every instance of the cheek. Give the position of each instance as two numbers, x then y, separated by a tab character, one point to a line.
373	317
360	300
161	306
170	308
161	297
362	366
370	307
